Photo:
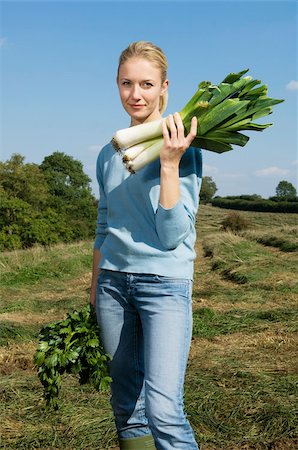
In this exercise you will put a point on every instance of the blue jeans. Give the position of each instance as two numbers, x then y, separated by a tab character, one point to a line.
146	326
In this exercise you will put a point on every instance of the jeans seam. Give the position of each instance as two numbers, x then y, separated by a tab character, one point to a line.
136	354
185	344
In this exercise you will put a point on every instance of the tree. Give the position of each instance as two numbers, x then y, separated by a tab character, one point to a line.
45	204
71	193
65	176
208	189
285	189
24	181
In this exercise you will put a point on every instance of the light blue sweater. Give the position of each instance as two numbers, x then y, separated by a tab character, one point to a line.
134	232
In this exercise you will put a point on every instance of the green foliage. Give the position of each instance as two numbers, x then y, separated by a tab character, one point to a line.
15	217
23	226
250	197
262	205
225	110
70	193
65	175
14	211
208	190
285	189
275	198
234	222
9	238
45	204
24	181
47	229
71	346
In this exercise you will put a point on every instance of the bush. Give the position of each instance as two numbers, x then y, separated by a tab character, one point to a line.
261	205
9	238
234	222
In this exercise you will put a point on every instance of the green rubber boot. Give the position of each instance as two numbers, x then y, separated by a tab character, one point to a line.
139	443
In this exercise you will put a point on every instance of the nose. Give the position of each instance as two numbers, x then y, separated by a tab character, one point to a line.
135	92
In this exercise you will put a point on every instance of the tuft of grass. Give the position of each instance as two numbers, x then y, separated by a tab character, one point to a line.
235	222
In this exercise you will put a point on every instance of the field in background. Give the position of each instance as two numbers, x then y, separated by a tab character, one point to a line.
241	381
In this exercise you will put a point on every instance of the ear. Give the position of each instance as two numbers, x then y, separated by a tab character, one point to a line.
164	87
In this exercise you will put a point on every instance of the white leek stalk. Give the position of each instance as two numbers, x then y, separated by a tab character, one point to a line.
135	150
127	137
145	157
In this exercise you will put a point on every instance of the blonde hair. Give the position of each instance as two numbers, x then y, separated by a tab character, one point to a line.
147	50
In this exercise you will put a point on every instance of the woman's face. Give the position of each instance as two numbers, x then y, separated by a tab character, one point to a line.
140	88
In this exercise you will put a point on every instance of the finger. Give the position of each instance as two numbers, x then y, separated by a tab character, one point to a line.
165	131
194	126
180	126
172	126
193	131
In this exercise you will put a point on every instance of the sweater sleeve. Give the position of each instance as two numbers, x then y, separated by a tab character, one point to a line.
174	225
101	223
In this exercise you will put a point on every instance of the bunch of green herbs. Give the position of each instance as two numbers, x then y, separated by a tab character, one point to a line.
71	346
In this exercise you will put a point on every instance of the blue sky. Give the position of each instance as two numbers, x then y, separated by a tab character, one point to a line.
59	62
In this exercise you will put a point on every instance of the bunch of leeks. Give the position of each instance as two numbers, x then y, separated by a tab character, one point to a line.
222	111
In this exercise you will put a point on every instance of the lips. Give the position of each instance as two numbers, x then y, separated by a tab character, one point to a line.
137	106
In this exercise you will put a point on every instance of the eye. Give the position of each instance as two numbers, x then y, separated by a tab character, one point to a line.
125	83
147	84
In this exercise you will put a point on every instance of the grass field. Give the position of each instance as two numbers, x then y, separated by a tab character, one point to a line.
241	381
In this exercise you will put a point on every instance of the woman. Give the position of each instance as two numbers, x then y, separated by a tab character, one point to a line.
143	264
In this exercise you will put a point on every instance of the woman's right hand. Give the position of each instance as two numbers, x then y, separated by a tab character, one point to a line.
175	142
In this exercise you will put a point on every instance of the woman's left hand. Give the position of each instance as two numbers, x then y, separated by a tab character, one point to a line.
175	143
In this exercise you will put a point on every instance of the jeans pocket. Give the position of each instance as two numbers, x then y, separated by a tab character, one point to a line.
178	286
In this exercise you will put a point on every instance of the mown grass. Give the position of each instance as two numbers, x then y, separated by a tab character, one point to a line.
245	336
246	261
208	323
14	332
239	407
35	265
285	238
84	420
241	381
